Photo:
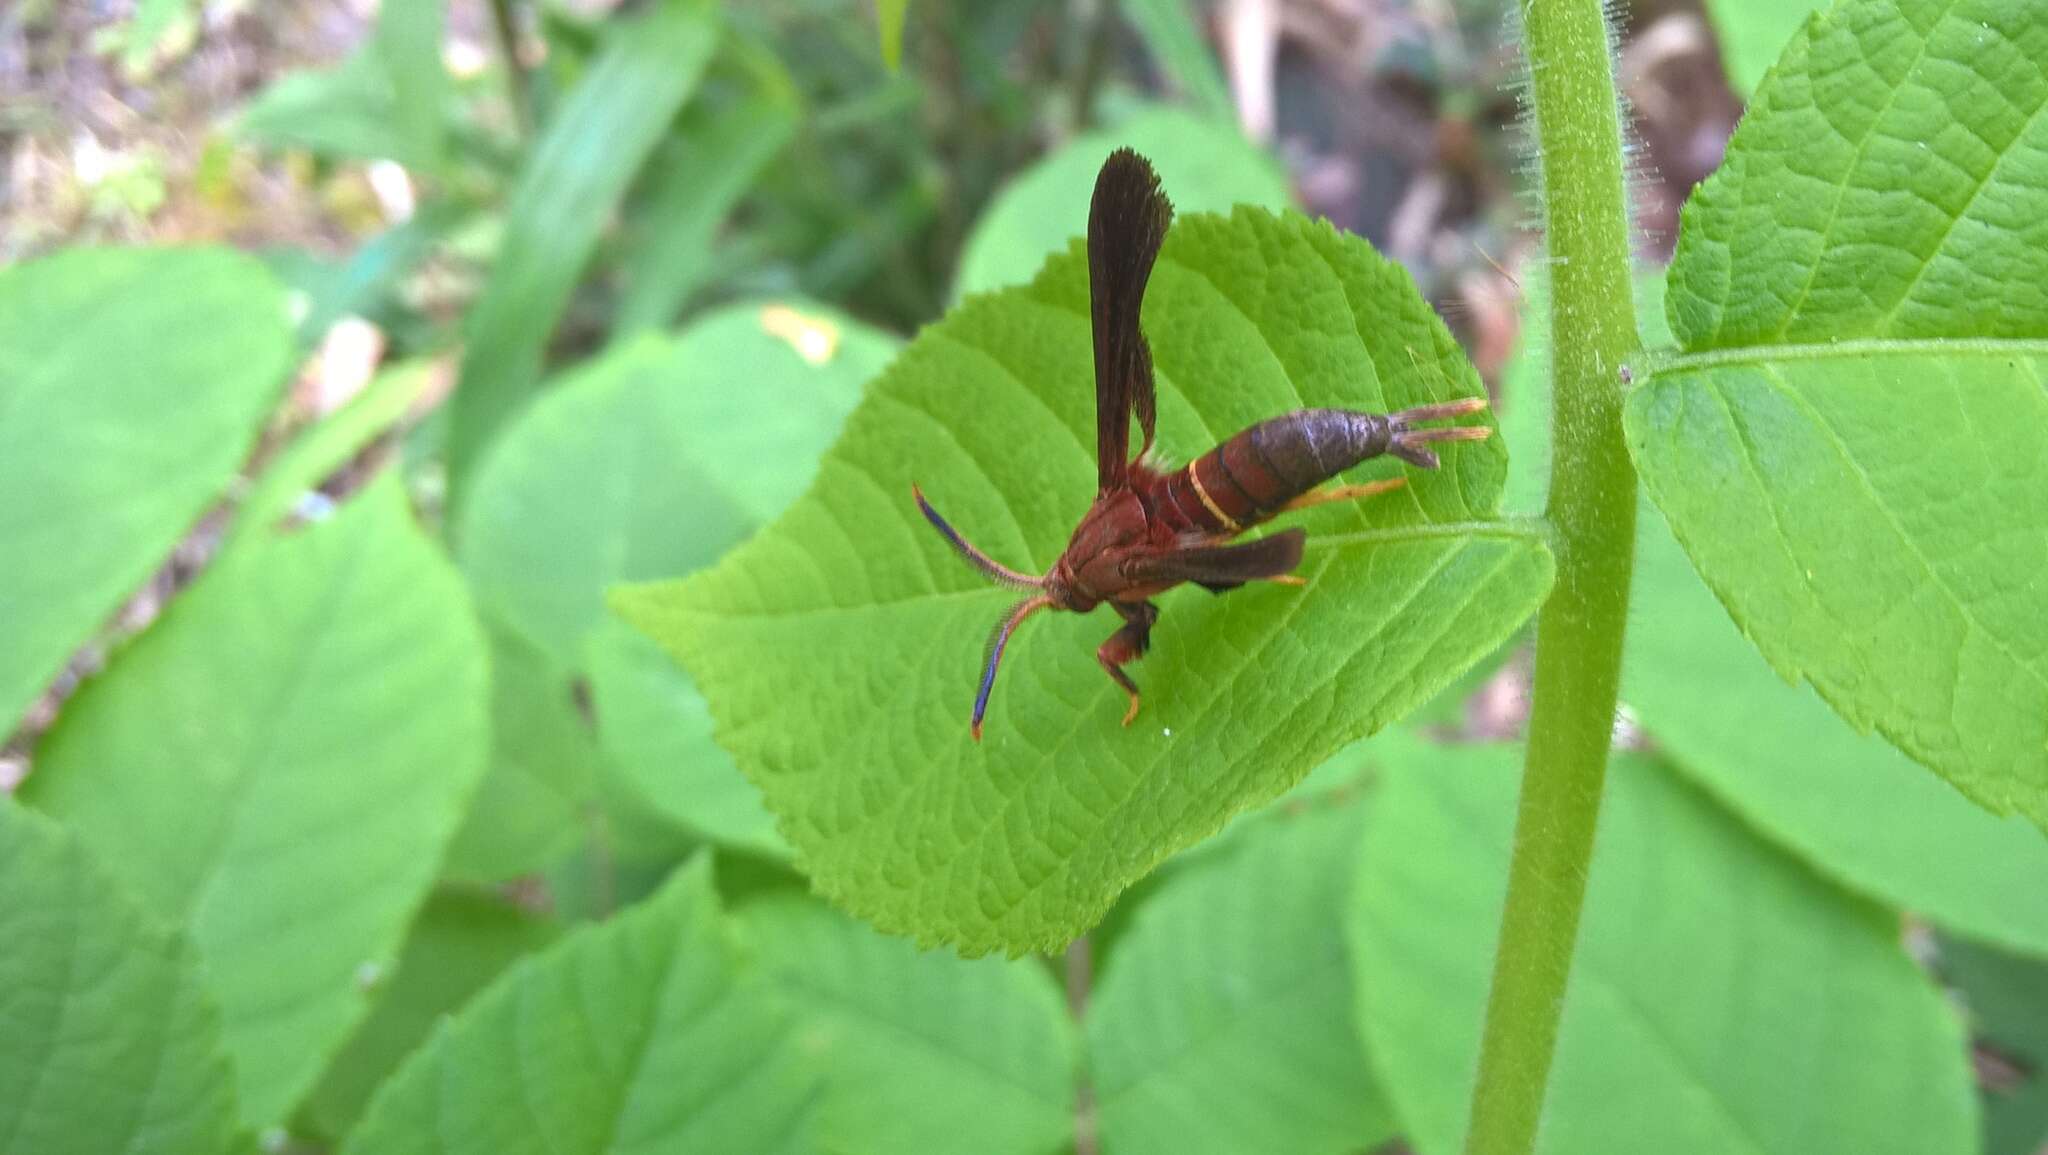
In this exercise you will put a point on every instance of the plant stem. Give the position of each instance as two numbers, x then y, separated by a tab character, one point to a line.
1592	516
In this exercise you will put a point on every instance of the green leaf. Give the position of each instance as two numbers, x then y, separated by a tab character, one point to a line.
844	638
1876	525
1223	1019
369	281
1852	450
649	463
408	44
1722	998
639	1034
1206	165
1173	32
568	189
458	945
1753	33
1886	183
387	101
277	765
1775	754
1850	805
108	1042
652	461
133	383
2009	1015
317	453
654	729
532	808
922	1051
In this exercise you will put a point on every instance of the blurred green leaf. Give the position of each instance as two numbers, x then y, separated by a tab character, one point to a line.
845	635
318	452
408	44
459	944
1222	1022
2007	997
1722	999
533	806
277	765
388	101
367	283
1850	804
1206	166
1854	449
133	383
1172	31
566	191
108	1042
691	186
1753	33
344	113
653	461
922	1051
655	731
638	1034
656	458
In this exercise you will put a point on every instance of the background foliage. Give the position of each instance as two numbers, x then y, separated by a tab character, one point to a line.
368	384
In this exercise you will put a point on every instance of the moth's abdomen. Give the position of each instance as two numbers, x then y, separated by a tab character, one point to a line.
1253	475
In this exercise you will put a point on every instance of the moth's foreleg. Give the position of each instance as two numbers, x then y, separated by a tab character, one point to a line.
1127	645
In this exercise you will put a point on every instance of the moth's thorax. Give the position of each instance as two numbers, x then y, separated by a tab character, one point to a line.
1089	573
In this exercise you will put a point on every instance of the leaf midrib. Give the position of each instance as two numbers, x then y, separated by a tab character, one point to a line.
1668	362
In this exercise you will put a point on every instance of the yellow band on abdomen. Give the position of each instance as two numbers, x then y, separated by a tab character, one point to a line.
1196	480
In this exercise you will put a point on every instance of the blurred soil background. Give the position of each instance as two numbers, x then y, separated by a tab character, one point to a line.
1395	119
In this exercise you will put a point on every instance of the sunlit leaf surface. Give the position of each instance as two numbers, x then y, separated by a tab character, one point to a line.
839	648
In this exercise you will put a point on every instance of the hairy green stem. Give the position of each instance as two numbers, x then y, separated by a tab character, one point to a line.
1592	515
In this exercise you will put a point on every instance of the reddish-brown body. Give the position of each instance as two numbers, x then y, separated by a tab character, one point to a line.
1150	529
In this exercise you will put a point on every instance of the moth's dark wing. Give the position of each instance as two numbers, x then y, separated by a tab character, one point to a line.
1127	222
1222	567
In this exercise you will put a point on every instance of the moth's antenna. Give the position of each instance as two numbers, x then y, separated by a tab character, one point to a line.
997	642
990	568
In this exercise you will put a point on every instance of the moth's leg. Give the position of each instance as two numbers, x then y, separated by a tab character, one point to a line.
1317	497
1128	644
